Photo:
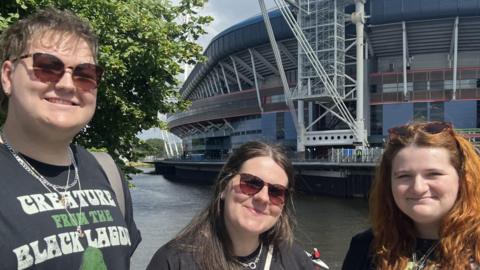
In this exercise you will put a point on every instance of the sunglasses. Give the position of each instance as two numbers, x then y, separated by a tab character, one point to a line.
251	185
49	68
430	128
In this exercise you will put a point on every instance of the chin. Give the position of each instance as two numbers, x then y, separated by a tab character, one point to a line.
67	127
255	228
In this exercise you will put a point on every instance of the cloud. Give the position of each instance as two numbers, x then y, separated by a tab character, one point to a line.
227	13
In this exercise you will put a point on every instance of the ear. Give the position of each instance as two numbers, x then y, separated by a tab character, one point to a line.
222	195
7	70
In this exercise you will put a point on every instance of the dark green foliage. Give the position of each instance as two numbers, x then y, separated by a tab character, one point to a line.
143	44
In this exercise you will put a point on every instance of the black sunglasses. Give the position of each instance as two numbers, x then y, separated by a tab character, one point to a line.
49	68
430	128
251	185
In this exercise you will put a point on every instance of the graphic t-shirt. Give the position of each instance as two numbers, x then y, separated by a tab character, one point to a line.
36	232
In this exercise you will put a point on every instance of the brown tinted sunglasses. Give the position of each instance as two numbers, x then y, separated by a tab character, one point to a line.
251	185
430	128
49	68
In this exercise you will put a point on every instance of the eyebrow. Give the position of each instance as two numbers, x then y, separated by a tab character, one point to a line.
404	171
400	172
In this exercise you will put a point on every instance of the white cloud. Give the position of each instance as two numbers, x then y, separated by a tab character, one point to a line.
227	13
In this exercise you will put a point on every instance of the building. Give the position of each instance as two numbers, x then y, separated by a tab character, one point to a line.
421	62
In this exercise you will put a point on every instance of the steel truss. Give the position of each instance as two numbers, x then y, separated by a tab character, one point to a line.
320	31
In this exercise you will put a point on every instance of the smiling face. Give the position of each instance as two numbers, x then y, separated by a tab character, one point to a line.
253	215
424	184
45	106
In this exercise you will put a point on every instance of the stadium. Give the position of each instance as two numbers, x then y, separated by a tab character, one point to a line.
342	79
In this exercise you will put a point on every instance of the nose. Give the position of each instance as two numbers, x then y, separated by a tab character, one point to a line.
66	81
262	195
419	185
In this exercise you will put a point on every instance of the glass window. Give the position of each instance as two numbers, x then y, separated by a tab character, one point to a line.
448	84
436	85
436	111
278	98
419	86
467	84
280	123
376	119
420	111
390	88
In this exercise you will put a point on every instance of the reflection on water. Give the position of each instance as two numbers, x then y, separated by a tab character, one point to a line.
162	208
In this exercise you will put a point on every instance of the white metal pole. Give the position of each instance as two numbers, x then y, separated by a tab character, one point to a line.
455	60
175	144
301	131
165	144
256	81
404	47
359	20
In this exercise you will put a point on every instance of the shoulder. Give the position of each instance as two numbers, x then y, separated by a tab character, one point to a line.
171	257
358	255
83	156
293	257
364	237
79	150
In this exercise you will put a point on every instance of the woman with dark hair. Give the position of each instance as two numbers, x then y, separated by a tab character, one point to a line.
424	203
248	224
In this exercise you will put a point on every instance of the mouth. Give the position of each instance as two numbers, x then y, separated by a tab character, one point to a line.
61	101
255	211
421	199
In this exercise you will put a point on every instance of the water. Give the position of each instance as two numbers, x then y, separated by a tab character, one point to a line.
162	208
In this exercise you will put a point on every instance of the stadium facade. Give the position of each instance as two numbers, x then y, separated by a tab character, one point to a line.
421	61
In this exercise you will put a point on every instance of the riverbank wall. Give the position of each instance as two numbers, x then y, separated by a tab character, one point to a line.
312	177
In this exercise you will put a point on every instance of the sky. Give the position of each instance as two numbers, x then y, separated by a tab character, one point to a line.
227	13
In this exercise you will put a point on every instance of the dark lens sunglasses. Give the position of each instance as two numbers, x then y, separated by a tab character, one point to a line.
251	185
49	68
430	128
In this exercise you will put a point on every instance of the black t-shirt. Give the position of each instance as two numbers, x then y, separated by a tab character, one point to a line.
359	256
36	232
169	257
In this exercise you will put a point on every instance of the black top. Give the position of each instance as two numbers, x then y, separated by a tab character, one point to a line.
36	232
169	257
359	256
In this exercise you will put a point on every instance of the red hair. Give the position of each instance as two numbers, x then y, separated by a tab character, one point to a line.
394	232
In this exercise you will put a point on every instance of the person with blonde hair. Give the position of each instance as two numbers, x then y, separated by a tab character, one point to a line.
424	203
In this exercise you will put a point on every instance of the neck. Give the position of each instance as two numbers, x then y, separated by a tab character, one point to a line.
47	150
428	231
244	245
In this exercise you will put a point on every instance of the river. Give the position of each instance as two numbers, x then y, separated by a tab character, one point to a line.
162	208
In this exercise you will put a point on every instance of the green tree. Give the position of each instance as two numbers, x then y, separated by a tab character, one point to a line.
143	44
151	147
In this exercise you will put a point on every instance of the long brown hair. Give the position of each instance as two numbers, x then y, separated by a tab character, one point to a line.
394	233
206	236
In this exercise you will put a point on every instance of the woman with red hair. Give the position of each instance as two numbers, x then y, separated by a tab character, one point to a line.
424	203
